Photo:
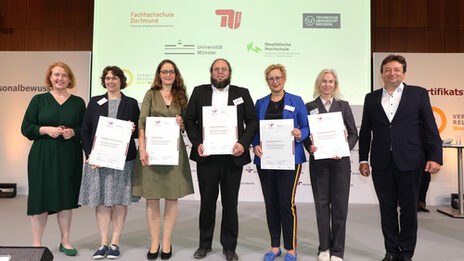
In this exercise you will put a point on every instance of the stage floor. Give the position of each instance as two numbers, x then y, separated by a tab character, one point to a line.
440	238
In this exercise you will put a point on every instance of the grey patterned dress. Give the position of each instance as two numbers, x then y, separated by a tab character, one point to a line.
105	186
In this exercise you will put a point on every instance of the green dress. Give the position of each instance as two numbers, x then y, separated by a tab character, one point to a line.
161	181
54	165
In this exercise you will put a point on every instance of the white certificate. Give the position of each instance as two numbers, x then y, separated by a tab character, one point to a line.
111	143
277	144
328	134
162	140
220	131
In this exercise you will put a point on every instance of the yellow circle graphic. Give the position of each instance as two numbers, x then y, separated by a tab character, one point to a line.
442	116
130	77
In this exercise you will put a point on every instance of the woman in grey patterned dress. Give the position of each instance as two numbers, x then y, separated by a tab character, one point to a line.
109	190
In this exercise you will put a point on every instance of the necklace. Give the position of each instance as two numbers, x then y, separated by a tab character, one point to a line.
166	95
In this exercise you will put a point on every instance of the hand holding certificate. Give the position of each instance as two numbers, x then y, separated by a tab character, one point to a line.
162	140
328	135
277	144
111	143
219	129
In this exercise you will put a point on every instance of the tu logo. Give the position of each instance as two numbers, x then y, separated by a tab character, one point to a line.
230	18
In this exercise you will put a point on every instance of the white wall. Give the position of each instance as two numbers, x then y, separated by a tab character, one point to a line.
21	69
433	71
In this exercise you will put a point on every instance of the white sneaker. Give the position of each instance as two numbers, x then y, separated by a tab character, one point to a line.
336	258
324	255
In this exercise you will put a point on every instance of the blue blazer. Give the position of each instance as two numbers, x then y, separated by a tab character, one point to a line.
300	121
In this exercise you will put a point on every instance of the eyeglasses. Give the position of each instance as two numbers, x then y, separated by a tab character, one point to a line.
167	72
277	79
222	69
109	78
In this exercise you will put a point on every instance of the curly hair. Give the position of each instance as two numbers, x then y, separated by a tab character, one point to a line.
272	67
117	72
179	93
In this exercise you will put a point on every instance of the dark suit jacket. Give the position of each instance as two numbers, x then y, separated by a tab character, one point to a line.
412	131
128	110
347	114
246	115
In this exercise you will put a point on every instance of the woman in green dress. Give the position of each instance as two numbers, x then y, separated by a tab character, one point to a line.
53	121
166	98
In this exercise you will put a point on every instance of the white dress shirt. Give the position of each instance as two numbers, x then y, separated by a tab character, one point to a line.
220	97
327	104
390	102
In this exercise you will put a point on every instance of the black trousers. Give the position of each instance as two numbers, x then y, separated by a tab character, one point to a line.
279	188
330	180
424	186
219	171
395	189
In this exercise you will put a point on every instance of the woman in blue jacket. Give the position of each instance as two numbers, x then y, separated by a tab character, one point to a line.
279	186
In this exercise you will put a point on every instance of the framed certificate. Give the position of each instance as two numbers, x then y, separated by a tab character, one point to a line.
328	134
220	131
162	140
277	144
111	143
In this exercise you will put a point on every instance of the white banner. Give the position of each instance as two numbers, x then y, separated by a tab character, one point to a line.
22	75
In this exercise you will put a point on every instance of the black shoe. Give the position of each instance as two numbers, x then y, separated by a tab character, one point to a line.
201	253
389	257
231	255
153	256
168	255
402	258
422	209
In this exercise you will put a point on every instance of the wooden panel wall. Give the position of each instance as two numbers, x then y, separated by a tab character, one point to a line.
417	26
397	25
46	25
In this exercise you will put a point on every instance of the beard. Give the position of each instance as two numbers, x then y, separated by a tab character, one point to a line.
220	84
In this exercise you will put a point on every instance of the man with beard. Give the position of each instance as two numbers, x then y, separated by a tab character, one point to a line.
220	170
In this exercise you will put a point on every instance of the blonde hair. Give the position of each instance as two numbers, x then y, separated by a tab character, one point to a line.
68	71
336	92
278	66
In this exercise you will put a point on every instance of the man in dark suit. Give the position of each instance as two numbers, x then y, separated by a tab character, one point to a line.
224	171
397	127
424	186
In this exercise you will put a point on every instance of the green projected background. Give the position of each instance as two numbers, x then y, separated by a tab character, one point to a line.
304	35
